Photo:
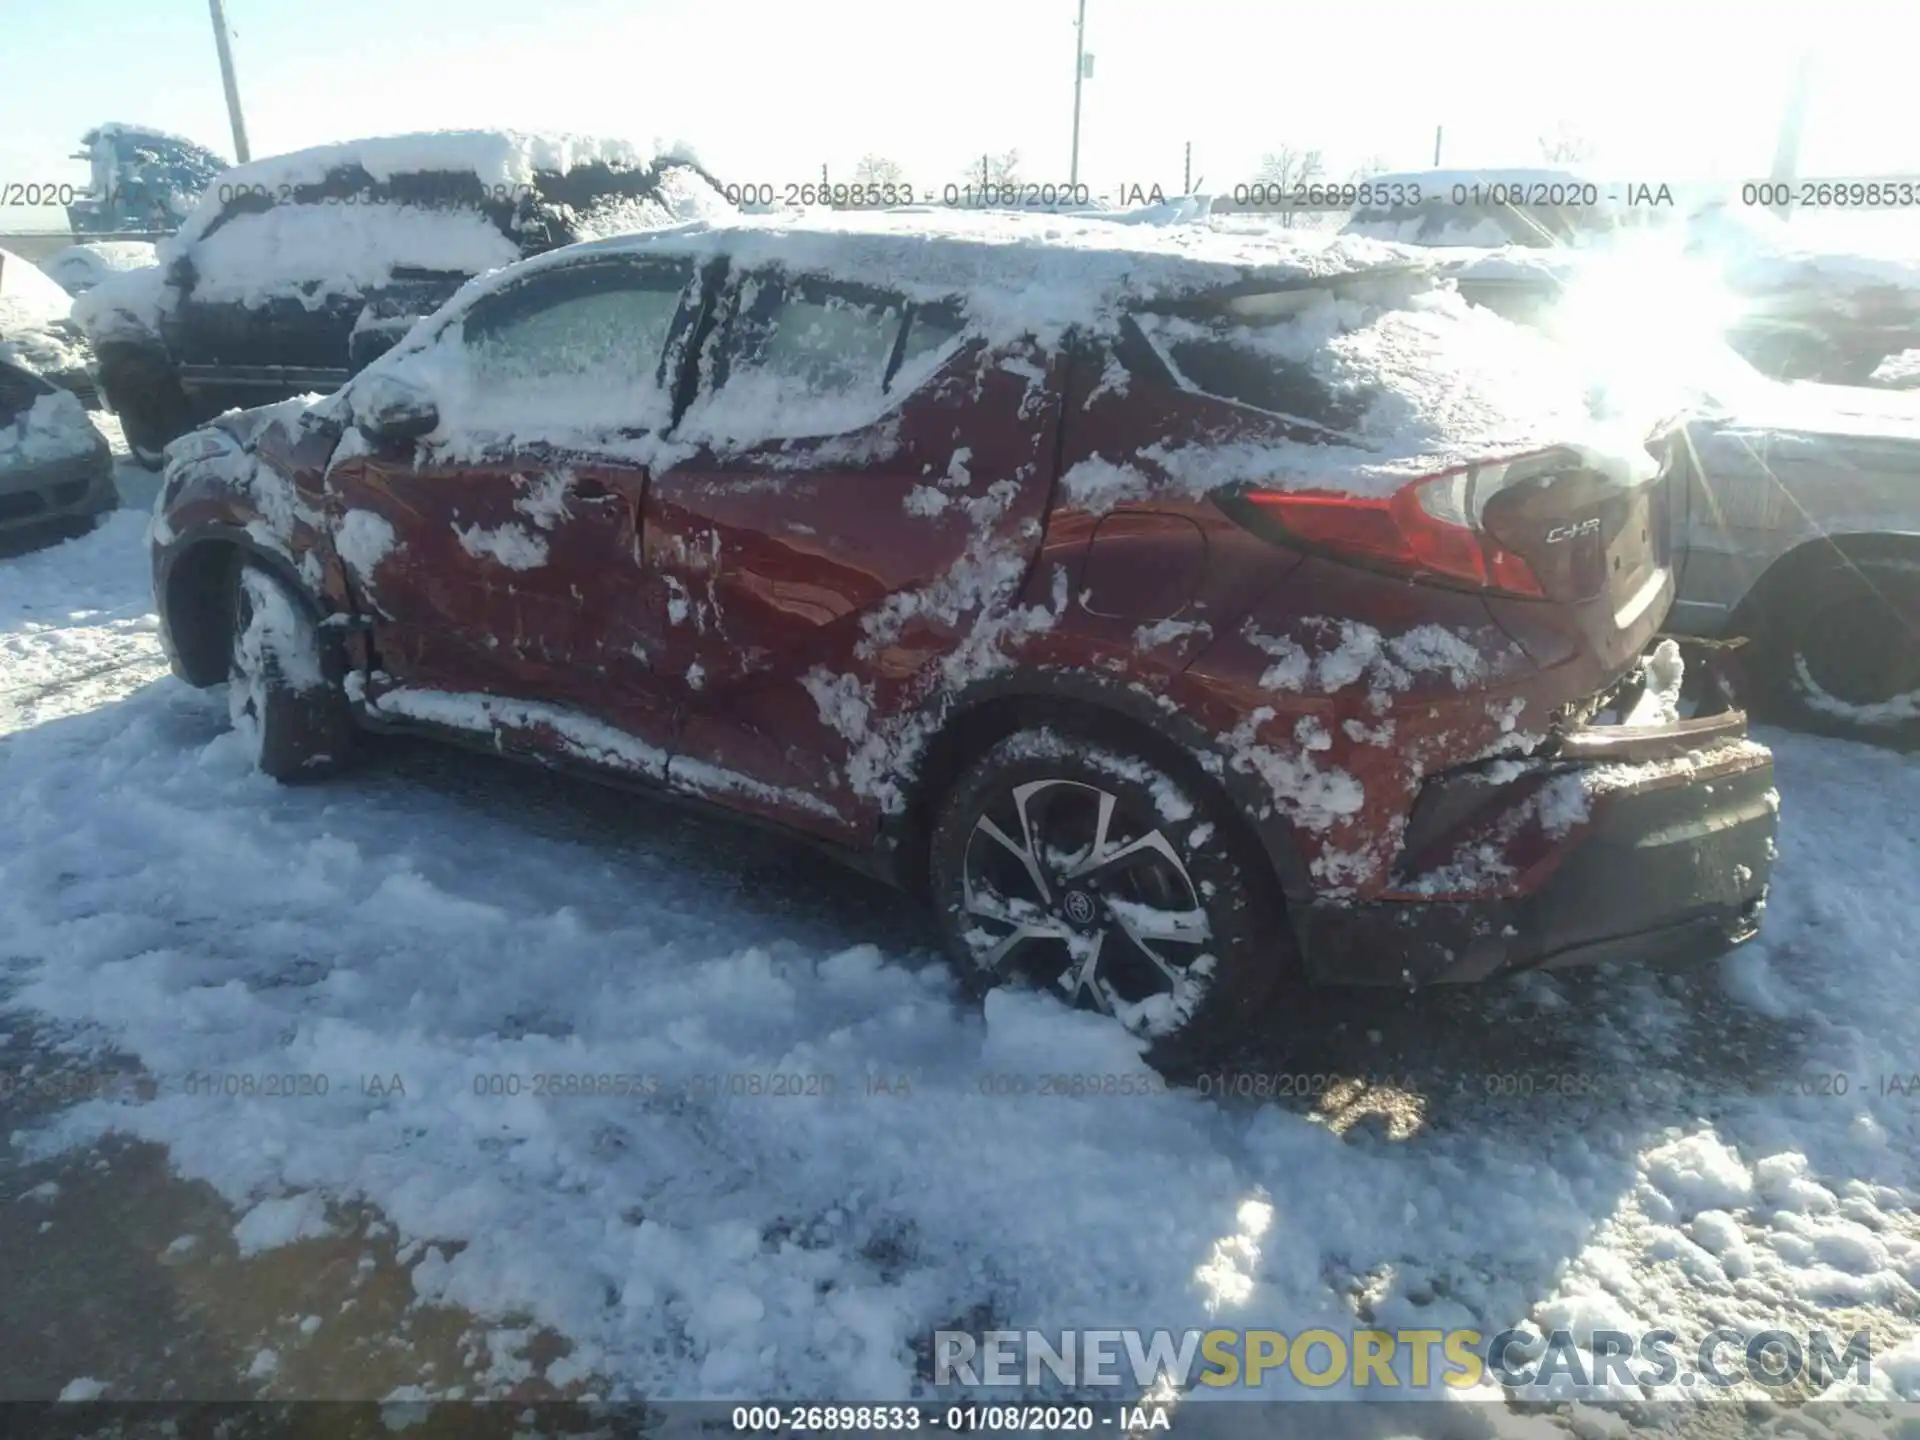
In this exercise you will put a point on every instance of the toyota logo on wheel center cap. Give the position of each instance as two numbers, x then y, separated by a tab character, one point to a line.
1079	907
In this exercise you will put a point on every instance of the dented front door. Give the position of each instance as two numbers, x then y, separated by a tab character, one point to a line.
502	554
518	575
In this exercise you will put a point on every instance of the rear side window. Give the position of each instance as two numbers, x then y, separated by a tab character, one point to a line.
1265	365
825	342
803	357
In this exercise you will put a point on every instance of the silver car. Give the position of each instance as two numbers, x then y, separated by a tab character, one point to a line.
1797	530
1801	526
55	469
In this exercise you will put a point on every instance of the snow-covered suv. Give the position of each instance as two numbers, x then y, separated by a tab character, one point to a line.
295	271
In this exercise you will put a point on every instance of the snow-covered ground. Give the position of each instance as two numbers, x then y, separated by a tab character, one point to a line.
431	933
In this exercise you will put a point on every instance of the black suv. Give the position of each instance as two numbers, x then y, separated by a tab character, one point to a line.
296	271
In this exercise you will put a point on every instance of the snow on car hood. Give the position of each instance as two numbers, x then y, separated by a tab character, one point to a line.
124	306
34	329
54	428
30	292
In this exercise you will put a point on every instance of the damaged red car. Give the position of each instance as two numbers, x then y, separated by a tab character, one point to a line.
1184	613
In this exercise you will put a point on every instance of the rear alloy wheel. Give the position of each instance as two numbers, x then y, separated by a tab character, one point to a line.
1843	653
293	719
1098	876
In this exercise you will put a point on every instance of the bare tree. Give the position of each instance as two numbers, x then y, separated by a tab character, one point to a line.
1282	169
1565	147
991	171
1368	168
879	170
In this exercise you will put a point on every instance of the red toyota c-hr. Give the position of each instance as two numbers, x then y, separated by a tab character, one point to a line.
1183	612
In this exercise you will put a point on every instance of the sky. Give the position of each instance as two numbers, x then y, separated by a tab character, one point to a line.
772	92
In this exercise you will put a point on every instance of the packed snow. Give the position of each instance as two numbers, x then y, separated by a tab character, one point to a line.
701	1238
281	253
54	428
493	157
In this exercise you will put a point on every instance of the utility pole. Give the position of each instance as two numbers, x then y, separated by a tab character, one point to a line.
240	150
1186	183
1079	75
1786	153
1436	146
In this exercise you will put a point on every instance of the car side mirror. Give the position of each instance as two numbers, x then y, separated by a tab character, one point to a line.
388	408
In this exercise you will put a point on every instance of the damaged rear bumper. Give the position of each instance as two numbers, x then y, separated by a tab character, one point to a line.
1647	843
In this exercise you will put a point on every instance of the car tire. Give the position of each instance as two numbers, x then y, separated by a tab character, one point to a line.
1841	654
147	398
1162	919
291	716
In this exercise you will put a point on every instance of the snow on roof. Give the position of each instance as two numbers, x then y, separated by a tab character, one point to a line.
113	129
1447	380
1018	273
493	157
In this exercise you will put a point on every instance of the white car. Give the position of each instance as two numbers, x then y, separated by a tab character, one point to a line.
79	268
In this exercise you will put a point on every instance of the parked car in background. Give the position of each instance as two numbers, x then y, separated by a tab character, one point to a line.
1184	613
79	268
142	181
1796	513
1544	208
1898	372
1808	311
36	332
295	271
55	470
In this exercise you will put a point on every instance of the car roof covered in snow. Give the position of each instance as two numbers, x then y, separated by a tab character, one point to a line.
1017	272
493	157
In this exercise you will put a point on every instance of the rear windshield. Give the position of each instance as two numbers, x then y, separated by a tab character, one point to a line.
1389	375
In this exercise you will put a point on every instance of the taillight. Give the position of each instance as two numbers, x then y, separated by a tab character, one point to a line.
1430	526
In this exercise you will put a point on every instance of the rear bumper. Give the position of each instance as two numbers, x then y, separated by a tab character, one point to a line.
71	488
1642	845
